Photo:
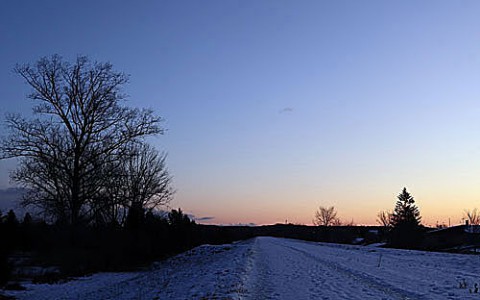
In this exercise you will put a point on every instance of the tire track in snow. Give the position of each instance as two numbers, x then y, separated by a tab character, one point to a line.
434	275
260	271
281	271
369	281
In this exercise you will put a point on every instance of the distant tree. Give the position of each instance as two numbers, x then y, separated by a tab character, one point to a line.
326	216
11	219
384	218
10	238
80	125
181	229
178	218
350	223
406	212
136	216
473	216
405	221
25	232
153	220
27	220
337	222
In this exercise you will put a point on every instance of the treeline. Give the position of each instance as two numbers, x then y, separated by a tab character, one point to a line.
401	228
87	166
84	157
79	250
85	160
145	237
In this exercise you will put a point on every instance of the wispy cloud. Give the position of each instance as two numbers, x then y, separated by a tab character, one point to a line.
286	110
243	224
204	219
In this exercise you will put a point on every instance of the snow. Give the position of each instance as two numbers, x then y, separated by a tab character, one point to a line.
275	268
205	272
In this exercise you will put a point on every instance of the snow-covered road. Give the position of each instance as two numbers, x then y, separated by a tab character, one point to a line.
292	270
273	268
289	269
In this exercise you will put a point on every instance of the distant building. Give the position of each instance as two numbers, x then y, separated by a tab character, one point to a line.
462	238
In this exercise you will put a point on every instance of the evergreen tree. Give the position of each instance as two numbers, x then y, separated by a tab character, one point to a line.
27	220
405	220
177	218
26	234
11	220
406	212
180	229
136	216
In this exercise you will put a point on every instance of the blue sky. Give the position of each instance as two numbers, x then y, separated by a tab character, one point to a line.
273	108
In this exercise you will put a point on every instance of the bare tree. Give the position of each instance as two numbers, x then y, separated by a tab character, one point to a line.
326	216
473	216
147	180
80	125
350	223
384	218
111	207
140	181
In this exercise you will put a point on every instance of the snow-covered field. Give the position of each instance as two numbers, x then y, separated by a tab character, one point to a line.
273	268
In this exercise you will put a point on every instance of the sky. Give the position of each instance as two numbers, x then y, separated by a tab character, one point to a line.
274	108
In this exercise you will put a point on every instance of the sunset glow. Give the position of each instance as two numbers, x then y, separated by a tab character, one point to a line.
273	108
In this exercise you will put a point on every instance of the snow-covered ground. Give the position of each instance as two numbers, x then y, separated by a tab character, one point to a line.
273	268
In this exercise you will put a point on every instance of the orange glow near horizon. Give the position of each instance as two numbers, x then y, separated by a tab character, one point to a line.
436	208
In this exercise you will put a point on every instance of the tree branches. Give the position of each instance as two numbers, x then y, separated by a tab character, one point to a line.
81	136
326	216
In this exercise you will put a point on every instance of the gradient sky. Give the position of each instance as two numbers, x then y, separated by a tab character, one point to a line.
276	107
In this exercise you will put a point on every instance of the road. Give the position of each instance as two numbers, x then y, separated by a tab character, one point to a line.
291	269
281	269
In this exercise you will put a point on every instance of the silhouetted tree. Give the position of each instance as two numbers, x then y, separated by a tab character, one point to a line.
141	181
154	220
11	220
405	221
326	216
473	216
10	238
27	219
178	218
384	218
181	229
146	178
80	126
26	232
136	216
